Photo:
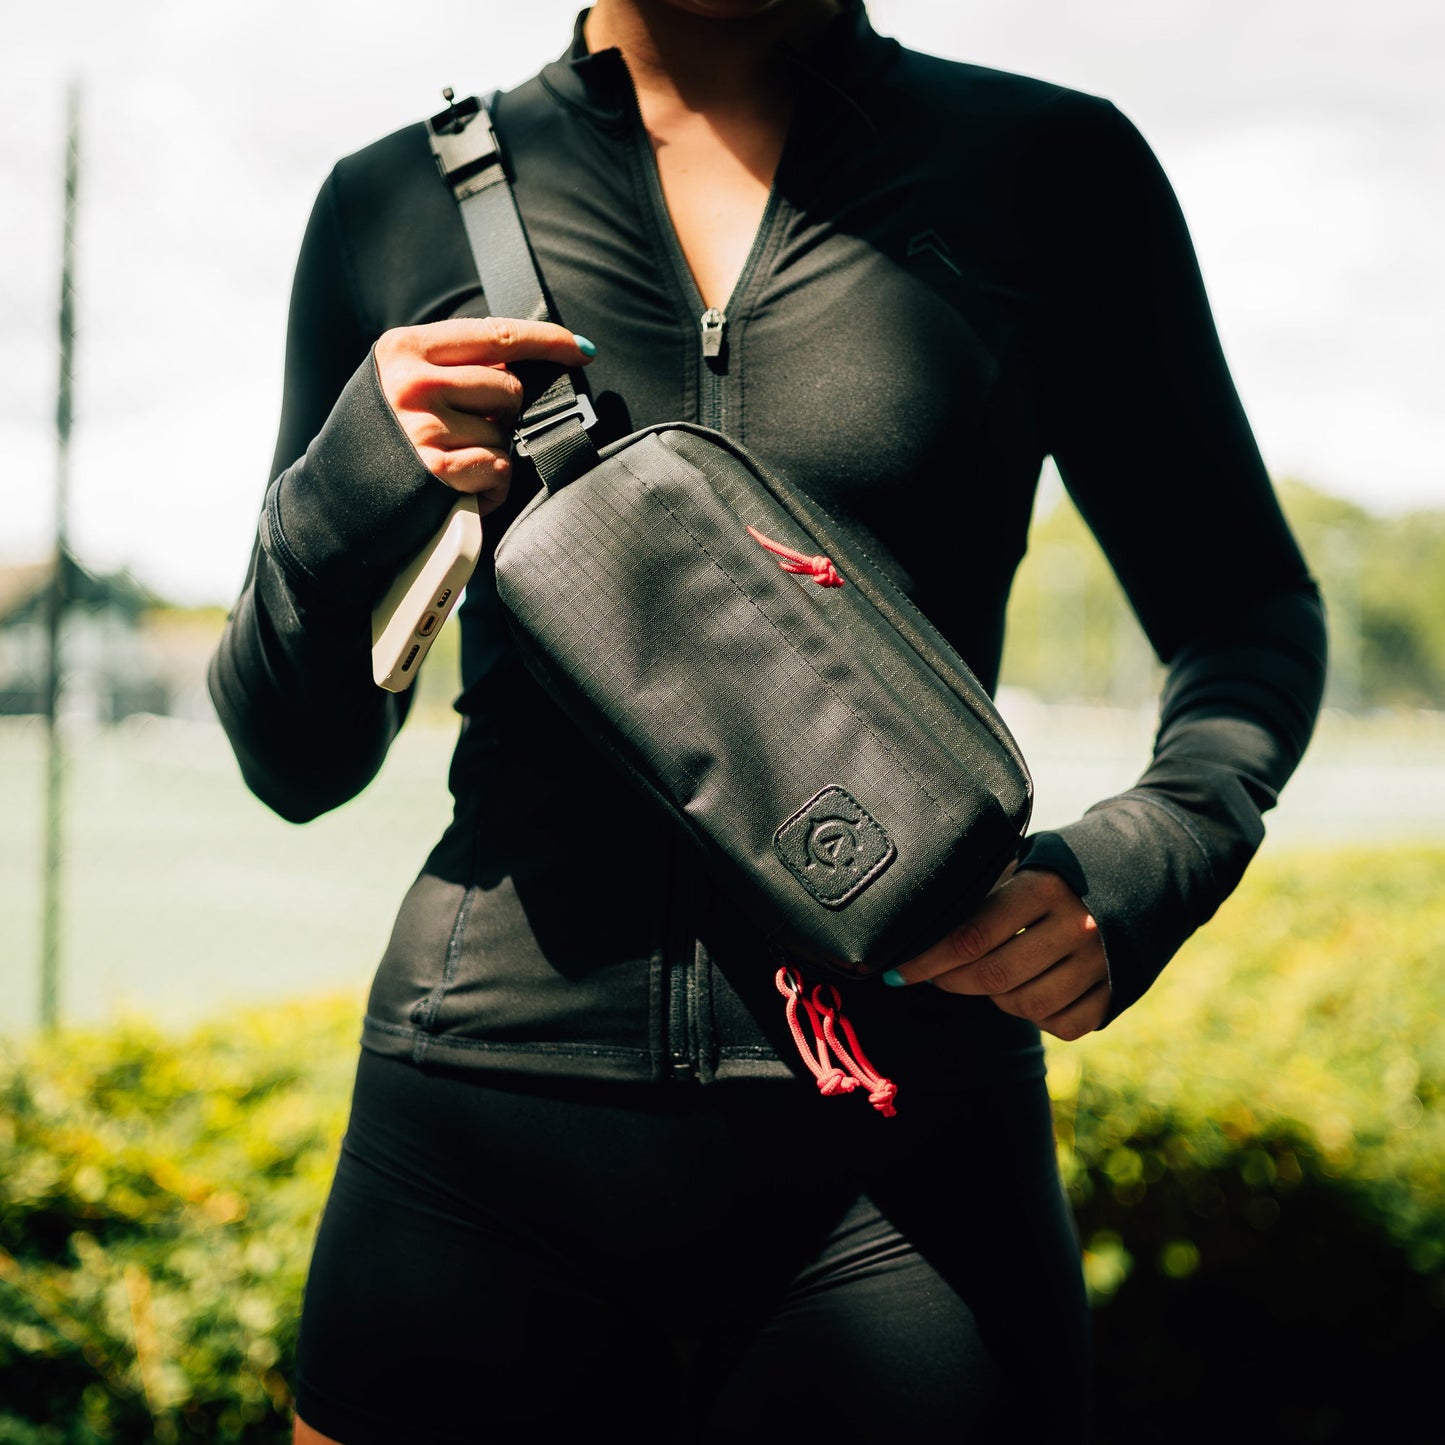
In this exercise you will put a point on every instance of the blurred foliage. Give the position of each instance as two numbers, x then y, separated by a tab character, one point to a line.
1255	1155
157	1202
1072	636
1383	579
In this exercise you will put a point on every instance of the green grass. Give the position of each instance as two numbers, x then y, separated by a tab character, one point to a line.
183	893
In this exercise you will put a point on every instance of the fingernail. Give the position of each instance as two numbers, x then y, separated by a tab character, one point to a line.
894	979
587	348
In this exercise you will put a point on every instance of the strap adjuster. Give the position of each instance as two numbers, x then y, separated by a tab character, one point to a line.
464	145
580	406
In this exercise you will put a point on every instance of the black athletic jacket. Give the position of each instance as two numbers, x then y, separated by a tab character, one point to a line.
959	272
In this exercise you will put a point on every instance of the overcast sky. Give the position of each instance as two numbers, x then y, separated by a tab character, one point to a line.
1305	138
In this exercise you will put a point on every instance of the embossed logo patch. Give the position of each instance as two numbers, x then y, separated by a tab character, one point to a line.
834	847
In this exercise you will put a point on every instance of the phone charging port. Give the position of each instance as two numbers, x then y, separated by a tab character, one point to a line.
428	624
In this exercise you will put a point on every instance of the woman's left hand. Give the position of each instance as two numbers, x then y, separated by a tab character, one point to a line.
1032	947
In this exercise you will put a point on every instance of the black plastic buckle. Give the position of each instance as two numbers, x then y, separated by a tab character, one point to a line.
580	406
464	145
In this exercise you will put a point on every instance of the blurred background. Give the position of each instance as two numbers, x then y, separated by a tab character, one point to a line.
1256	1152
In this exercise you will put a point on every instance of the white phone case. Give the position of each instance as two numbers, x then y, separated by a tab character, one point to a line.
404	624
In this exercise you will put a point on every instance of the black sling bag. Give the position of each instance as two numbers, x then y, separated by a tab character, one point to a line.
729	645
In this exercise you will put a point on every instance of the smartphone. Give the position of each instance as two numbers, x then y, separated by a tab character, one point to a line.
405	623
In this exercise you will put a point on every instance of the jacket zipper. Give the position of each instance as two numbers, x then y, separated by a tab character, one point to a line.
681	1060
679	1038
712	321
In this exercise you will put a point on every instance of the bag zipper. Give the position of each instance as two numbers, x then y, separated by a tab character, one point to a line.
871	579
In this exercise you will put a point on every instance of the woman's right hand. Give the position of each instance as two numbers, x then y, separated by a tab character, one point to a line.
449	386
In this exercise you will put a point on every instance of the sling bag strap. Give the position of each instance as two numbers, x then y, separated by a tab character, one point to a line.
552	429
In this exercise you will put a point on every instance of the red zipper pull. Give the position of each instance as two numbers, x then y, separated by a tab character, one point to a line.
881	1091
820	569
824	1021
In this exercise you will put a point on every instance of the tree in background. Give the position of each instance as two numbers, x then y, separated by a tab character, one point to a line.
1073	638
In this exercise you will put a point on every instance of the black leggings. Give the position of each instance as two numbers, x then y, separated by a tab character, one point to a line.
535	1260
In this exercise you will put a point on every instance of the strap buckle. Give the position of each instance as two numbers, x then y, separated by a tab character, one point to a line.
464	145
580	406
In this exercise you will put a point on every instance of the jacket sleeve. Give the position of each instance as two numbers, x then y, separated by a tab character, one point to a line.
1154	448
348	505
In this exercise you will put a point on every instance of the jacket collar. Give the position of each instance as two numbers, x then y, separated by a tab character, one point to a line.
849	54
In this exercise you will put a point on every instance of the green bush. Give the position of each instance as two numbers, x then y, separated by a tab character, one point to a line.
1256	1156
1255	1153
157	1201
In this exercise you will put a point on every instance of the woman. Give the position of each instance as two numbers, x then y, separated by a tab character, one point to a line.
586	1181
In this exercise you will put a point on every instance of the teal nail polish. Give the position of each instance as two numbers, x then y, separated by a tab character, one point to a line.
587	348
894	979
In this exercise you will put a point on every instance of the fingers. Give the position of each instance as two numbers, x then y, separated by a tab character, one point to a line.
1033	948
1050	940
494	341
478	390
468	450
1085	1014
416	386
1012	905
449	386
445	425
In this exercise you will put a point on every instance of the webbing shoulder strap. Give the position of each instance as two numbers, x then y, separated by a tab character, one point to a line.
552	430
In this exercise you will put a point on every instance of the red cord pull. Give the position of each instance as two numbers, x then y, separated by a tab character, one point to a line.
824	1020
820	569
881	1091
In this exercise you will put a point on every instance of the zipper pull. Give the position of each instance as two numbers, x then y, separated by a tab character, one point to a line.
713	324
